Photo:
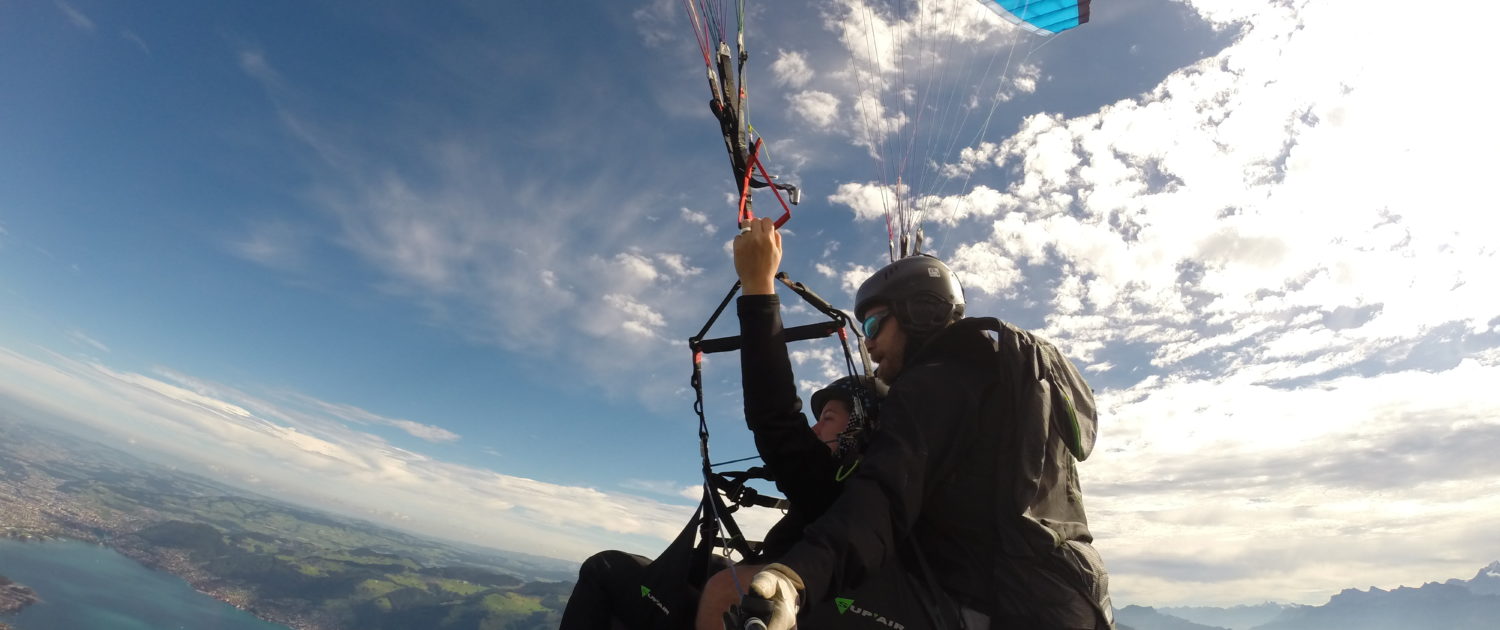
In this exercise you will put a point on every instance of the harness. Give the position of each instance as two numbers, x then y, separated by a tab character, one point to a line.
726	492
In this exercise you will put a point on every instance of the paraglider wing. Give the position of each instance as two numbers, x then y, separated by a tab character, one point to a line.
1041	16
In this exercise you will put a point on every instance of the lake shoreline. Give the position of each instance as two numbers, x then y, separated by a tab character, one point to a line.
14	596
156	560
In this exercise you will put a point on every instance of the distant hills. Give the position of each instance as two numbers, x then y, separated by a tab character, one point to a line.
305	569
1456	604
1235	617
1147	618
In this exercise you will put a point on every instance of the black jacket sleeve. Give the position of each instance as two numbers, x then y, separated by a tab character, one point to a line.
801	463
908	463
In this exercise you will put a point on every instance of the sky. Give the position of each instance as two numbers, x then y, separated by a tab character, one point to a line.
434	265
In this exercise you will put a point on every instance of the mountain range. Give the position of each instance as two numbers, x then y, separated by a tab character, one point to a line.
1456	604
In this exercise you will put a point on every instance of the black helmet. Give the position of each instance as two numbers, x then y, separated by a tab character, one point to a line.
921	291
866	390
863	394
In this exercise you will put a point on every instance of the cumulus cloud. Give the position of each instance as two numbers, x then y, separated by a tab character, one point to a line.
914	74
869	201
698	218
1289	316
1026	77
984	267
677	265
819	109
1172	209
791	69
824	364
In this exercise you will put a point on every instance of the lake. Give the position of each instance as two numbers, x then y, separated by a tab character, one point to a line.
88	587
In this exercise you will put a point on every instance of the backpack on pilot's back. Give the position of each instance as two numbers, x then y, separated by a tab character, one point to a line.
1048	570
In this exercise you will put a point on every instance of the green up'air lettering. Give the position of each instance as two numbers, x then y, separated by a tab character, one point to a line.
843	603
844	474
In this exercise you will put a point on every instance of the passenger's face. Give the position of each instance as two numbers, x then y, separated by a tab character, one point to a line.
831	422
888	345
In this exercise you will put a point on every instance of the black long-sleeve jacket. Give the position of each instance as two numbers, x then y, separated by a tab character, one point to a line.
973	466
802	464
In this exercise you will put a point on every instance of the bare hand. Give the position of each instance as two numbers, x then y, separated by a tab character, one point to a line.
757	256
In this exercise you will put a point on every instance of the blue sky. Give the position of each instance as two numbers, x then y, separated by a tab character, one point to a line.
434	264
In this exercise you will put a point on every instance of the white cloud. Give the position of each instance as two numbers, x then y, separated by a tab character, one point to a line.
635	267
819	109
274	244
678	265
75	16
791	69
853	276
868	201
823	363
1272	487
1128	196
914	72
1026	77
635	317
302	450
350	413
1266	244
81	338
875	122
984	267
978	201
660	22
134	38
253	62
665	488
698	218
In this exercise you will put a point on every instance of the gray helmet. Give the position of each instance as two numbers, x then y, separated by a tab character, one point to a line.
921	291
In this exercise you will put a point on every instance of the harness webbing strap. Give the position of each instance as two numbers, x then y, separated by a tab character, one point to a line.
795	333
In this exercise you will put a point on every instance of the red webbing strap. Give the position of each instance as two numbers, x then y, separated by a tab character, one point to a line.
746	215
753	164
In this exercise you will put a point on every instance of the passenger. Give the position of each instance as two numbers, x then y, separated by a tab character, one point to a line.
608	593
803	459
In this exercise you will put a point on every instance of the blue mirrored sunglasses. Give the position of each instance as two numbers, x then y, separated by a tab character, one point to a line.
872	324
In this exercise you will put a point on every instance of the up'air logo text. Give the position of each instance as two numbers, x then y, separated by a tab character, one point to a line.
846	605
646	593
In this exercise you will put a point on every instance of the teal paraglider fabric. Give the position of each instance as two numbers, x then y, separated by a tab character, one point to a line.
1042	16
